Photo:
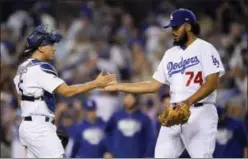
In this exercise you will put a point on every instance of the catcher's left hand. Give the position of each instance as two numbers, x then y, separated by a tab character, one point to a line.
175	115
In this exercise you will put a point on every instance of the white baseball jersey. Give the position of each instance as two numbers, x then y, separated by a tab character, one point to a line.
36	78
185	70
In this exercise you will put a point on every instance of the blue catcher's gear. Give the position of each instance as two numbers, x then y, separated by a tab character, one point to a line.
41	37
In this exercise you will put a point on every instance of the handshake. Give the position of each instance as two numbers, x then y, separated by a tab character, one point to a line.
106	81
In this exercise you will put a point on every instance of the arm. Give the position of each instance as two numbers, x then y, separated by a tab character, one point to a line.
206	89
73	90
100	81
140	87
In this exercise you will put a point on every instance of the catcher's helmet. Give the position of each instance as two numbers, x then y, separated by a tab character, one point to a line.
41	36
181	16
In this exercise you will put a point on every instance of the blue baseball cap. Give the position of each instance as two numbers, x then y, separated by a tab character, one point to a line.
181	16
89	104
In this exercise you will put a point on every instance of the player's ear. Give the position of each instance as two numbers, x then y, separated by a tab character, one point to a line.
188	27
41	49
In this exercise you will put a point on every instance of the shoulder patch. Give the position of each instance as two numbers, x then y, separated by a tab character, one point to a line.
48	68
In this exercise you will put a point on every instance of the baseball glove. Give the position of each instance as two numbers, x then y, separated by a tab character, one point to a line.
175	115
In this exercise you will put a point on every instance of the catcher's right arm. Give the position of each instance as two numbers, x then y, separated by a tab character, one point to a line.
174	115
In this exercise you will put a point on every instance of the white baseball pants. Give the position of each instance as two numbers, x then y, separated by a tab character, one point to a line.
198	136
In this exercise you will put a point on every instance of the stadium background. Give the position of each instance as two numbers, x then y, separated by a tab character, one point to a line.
125	37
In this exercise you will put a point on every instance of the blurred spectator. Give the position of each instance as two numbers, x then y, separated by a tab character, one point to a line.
141	67
40	16
132	129
107	104
127	27
152	32
61	108
152	106
232	138
80	57
68	123
68	118
121	56
225	14
83	21
236	107
239	64
89	138
206	23
7	46
101	11
78	113
17	22
164	8
22	21
103	61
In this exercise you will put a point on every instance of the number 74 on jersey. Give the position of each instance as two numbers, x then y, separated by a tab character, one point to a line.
194	77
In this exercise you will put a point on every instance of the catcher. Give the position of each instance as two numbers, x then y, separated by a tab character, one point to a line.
192	69
37	81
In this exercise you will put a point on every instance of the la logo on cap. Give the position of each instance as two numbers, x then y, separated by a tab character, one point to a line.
171	17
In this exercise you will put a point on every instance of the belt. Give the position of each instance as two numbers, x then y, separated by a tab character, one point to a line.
31	98
194	105
198	104
29	118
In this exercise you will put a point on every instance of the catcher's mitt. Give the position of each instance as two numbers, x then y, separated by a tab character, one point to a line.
175	115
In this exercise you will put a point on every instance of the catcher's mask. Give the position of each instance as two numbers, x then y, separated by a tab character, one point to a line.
41	36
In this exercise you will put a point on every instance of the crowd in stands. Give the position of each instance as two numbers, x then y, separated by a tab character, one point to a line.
119	37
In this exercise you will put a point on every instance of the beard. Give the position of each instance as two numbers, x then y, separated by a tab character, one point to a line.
182	41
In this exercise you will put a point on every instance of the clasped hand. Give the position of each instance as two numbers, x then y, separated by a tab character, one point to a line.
107	81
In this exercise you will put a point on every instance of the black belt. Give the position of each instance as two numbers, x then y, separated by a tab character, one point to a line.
194	105
198	104
31	98
29	118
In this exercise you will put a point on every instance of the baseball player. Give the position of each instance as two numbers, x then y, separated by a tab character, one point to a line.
89	138
36	82
131	129
192	68
232	138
